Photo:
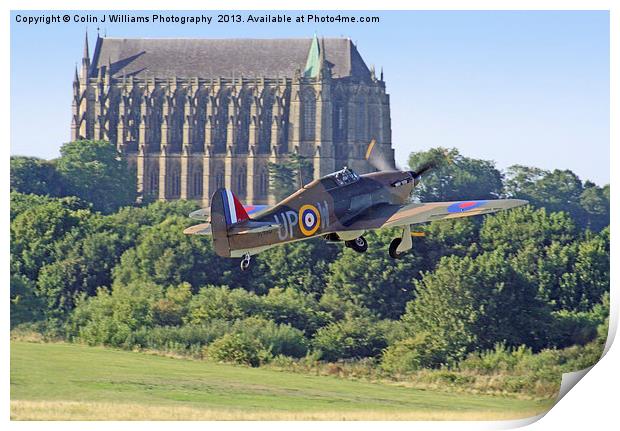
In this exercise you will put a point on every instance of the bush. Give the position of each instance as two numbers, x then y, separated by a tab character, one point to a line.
352	338
298	309
182	340
277	339
409	354
237	349
111	317
500	359
221	303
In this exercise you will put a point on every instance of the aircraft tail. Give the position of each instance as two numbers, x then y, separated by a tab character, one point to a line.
226	210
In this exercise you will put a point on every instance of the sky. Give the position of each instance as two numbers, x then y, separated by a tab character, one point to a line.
514	87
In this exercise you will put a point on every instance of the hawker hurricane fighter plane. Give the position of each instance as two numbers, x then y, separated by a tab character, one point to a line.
341	206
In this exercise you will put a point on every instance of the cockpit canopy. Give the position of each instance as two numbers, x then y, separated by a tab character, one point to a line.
340	178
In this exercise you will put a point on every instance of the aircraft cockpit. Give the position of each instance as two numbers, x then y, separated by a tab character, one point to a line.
341	178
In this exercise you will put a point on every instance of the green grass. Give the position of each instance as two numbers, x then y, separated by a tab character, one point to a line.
67	381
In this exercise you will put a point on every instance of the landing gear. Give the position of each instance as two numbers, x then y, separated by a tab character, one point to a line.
393	246
359	244
245	262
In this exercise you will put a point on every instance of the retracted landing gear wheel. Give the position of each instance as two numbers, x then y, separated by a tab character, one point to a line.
245	262
359	244
393	246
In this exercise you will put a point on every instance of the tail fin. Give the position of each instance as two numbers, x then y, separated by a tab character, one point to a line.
226	210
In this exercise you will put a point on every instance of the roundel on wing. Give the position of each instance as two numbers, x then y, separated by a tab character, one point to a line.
309	220
459	207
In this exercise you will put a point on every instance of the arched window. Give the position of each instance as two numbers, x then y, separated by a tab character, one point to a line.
266	118
221	122
153	181
219	180
264	183
361	123
197	182
241	181
308	114
174	184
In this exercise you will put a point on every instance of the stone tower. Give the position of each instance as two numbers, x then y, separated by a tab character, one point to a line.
192	115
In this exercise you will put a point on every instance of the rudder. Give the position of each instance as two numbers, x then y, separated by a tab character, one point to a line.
226	210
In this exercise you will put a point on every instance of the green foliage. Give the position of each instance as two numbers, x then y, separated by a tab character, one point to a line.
221	303
373	280
410	354
303	266
26	306
284	176
94	171
524	226
499	291
237	348
455	177
275	339
350	338
31	175
110	318
472	303
36	230
560	190
295	308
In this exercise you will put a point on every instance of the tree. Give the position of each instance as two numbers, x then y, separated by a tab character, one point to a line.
166	256
36	230
36	176
94	171
523	226
284	176
595	202
25	304
373	280
455	177
303	265
470	304
349	338
560	190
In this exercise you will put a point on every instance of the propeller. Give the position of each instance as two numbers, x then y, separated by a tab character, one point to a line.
377	159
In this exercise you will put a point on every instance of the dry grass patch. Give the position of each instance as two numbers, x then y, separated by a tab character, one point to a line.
100	411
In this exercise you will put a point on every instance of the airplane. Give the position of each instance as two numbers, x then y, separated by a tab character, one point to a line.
340	207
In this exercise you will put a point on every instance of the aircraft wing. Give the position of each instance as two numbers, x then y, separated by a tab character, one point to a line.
414	213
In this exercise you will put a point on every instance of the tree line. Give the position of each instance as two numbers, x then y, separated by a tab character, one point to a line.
90	265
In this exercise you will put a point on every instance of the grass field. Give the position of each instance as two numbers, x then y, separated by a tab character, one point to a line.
73	382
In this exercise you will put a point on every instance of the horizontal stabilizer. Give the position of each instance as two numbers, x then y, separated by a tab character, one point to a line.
201	214
199	229
251	226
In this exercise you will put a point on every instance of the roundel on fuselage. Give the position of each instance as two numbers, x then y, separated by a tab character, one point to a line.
309	220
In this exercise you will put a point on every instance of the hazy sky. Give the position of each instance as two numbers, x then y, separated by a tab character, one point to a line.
518	87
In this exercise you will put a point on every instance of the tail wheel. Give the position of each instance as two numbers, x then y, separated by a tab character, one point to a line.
393	246
359	244
245	263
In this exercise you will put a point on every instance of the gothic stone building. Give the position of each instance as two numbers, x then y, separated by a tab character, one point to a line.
192	115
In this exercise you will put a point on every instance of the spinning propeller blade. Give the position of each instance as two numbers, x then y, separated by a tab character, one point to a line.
377	159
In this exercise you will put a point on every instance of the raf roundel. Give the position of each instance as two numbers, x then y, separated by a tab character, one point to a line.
459	207
309	219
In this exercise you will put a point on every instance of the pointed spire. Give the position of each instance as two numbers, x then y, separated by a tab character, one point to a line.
85	54
381	73
313	64
85	60
76	79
